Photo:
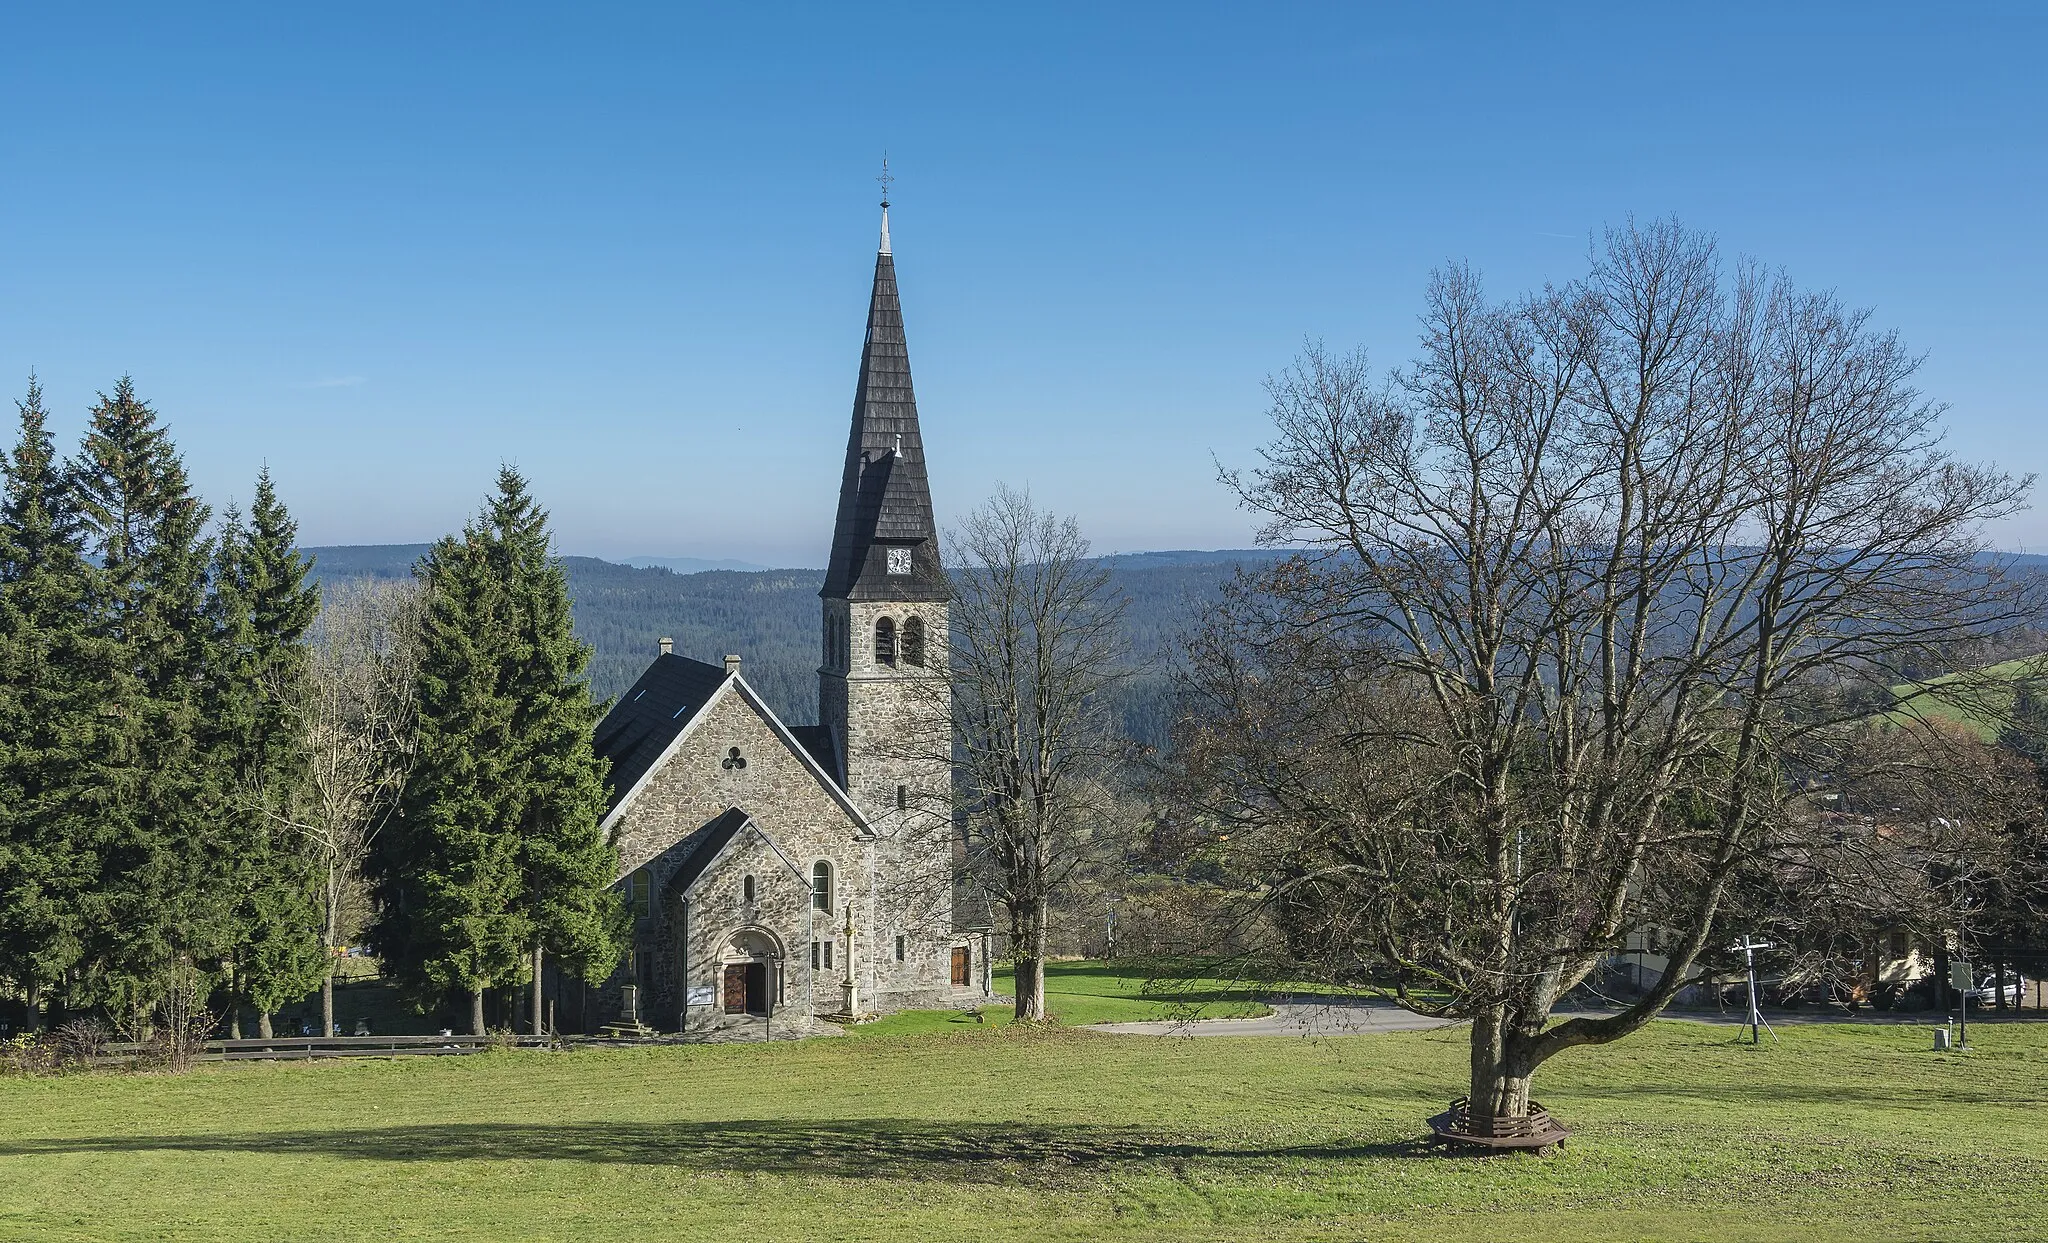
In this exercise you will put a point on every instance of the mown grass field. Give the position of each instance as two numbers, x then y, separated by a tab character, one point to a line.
975	1133
1983	711
1080	993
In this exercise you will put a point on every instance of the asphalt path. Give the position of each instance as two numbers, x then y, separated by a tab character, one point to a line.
1345	1017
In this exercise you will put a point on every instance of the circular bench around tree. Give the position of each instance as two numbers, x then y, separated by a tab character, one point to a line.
1535	1132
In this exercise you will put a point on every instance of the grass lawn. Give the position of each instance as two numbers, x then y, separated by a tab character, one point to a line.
1081	993
1984	713
992	1132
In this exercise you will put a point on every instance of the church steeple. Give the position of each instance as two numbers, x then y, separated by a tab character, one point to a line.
884	542
883	686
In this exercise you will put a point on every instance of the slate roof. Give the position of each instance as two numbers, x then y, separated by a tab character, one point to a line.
817	740
650	715
710	839
885	500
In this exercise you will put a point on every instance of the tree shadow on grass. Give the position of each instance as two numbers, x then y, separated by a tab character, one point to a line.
876	1148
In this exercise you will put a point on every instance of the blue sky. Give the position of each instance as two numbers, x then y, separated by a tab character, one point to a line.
628	248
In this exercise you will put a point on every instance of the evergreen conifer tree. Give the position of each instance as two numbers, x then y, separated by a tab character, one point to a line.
60	755
557	795
495	859
166	833
263	608
446	868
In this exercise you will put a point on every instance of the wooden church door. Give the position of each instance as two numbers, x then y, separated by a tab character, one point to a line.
735	998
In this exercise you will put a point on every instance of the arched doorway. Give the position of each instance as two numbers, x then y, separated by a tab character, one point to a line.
749	972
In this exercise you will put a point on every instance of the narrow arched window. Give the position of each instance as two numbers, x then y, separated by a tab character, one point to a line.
641	894
885	641
821	885
913	642
746	889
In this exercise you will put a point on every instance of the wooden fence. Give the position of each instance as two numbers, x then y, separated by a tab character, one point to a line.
299	1048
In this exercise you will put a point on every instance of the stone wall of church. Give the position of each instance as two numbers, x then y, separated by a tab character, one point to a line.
733	757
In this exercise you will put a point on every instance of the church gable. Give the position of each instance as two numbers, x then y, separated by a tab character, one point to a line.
732	752
650	716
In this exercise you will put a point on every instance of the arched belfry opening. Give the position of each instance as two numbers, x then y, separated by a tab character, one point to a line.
885	641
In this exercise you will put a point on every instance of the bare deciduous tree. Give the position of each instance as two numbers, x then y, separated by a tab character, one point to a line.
1588	591
357	710
1035	649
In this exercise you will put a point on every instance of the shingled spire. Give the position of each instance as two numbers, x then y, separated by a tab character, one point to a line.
885	545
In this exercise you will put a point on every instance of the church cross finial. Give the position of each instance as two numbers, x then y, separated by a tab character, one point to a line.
885	179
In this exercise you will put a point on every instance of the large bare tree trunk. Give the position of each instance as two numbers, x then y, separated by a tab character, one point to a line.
476	1013
264	1026
539	1019
332	936
1027	938
1501	1070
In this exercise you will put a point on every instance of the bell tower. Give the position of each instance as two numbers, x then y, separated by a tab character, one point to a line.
883	691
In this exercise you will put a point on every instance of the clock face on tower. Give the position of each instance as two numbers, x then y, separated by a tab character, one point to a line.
899	561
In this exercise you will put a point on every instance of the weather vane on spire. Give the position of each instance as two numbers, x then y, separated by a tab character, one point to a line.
885	179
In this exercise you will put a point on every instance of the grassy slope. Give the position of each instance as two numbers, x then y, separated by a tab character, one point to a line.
1685	1133
1982	716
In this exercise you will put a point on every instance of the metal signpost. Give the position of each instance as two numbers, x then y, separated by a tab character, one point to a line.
1960	979
1756	1014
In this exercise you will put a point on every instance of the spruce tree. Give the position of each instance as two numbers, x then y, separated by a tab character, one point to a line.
60	755
166	832
495	859
557	796
263	607
447	868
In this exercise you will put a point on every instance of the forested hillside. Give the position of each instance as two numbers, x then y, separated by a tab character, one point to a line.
770	618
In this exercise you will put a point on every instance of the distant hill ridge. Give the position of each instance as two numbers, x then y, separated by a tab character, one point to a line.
770	617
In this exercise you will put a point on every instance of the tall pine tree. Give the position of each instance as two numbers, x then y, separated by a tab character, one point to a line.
60	754
446	868
263	607
495	858
166	831
557	797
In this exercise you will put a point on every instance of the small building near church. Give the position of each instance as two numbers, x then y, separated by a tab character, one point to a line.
782	873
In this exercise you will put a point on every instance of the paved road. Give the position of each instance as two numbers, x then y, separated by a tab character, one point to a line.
1357	1017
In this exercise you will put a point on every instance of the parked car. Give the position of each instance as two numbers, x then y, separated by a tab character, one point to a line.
1986	993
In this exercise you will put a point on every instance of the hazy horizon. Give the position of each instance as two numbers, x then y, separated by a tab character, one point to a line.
628	249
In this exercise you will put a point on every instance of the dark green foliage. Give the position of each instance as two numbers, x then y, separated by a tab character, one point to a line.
446	869
56	673
165	828
495	848
263	607
557	793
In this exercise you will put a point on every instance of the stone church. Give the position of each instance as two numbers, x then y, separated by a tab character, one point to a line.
777	873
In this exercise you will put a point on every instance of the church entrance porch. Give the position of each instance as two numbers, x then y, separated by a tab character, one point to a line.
746	988
750	974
